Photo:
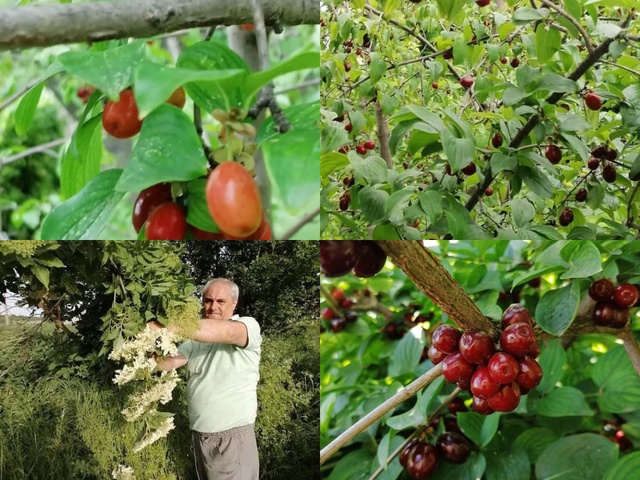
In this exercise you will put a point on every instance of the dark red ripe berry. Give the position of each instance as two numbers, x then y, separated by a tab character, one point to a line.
147	201
464	384
601	290
343	149
481	405
361	149
482	385
507	399
503	368
517	339
435	355
476	347
516	313
496	140
466	81
329	313
338	294
348	181
483	3
488	192
535	282
167	222
621	317
423	461
534	351
408	449
610	154
338	257
345	200
434	85
593	101
348	127
553	154
369	144
581	195
453	447
600	151
347	66
625	295
469	169
504	60
609	173
445	338
515	62
451	424
338	324
455	368
593	163
346	303
566	217
529	374
457	405
351	317
604	313
623	442
448	54
447	169
366	40
372	259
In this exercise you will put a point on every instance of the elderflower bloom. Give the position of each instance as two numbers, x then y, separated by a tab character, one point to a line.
159	392
122	472
155	435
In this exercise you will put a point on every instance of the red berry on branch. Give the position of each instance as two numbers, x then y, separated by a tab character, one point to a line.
553	154
515	62
593	163
469	169
516	313
482	385
338	257
593	101
566	217
530	373
601	290
466	81
445	338
625	295
476	347
369	144
435	355
455	368
503	368
581	195
488	192
496	140
453	447
507	399
372	259
147	201
609	173
423	461
517	339
361	149
167	222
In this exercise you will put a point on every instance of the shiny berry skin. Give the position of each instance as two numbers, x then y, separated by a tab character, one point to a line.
328	313
504	60
609	173
372	259
481	405
581	195
553	154
435	355
369	144
423	461
347	67
177	98
488	192
148	199
346	303
483	3
337	294
339	118
600	151
604	313
593	163
445	338
469	169
482	385
503	368
496	140
167	222
621	317
262	233
517	339
515	62
457	405
338	324
343	149
601	290
610	154
345	201
348	127
623	442
529	374
234	200
507	399
361	150
467	81
408	449
593	101
464	384
338	257
453	447
434	85
120	119
534	351
205	235
566	217
455	368
476	347
625	295
516	313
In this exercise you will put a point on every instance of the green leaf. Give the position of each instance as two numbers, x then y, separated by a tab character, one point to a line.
626	467
513	96
109	70
557	309
431	204
83	157
584	261
552	359
524	277
617	381
459	150
534	440
27	108
349	467
479	428
407	353
198	214
537	181
373	169
169	149
548	42
563	402
586	456
386	446
522	212
377	69
84	215
509	464
526	15
332	138
372	202
501	162
555	83
41	274
472	469
330	162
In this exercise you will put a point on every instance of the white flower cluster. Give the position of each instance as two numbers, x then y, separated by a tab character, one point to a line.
147	341
122	472
159	392
155	435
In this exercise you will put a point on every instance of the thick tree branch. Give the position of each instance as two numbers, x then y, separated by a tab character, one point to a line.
375	415
383	135
430	276
45	25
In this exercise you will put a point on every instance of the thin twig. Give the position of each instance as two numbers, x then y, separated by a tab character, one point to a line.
31	151
572	20
303	221
310	83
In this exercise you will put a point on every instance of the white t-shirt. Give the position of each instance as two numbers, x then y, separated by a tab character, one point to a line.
223	379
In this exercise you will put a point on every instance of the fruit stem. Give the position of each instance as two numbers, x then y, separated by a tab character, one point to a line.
324	291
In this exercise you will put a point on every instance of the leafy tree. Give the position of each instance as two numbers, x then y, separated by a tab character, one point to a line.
464	119
252	103
380	388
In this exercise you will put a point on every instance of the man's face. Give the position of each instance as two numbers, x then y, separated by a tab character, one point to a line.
217	302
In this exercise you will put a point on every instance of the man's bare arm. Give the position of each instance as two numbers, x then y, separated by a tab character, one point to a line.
215	331
171	363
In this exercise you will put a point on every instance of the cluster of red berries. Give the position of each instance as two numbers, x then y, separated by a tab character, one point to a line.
496	379
420	459
599	155
470	169
613	302
338	322
361	147
338	257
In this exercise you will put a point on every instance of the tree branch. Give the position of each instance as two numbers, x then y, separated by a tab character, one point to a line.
31	151
430	276
303	221
375	415
383	135
573	21
45	25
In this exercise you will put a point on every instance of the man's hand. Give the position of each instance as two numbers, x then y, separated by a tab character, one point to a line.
154	325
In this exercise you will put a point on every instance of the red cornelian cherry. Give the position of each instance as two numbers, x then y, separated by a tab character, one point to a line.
482	385
455	368
408	449
503	368
329	313
516	313
601	290
476	347
517	339
148	199
338	294
530	373
507	399
423	461
481	405
625	295
120	119
167	222
453	447
445	338
435	355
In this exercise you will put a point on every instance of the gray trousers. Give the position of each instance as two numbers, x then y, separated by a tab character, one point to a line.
228	455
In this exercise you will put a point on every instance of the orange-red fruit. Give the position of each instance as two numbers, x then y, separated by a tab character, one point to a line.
120	119
234	200
167	222
147	201
262	233
177	98
593	101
